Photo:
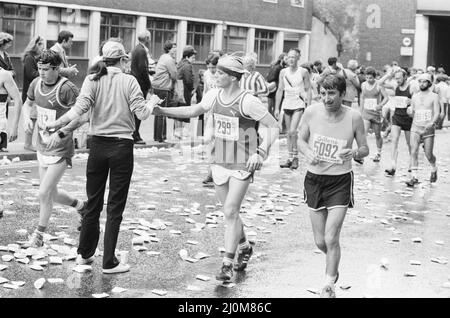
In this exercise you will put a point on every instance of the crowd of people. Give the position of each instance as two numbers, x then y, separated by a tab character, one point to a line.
324	110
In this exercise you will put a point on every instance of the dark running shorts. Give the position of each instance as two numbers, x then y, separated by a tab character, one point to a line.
403	121
328	192
291	112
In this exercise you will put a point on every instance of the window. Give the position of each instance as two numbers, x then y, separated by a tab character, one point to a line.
235	39
118	26
298	3
272	1
201	37
17	20
264	46
75	21
291	40
161	30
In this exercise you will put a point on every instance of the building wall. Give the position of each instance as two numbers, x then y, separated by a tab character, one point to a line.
258	12
323	42
370	30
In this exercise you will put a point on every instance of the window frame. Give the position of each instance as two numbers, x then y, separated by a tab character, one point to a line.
17	18
227	36
61	23
120	27
259	39
155	29
202	33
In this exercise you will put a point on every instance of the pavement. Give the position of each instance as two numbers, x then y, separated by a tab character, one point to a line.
394	242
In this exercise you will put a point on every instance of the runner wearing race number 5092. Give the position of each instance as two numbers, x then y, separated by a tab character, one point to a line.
327	133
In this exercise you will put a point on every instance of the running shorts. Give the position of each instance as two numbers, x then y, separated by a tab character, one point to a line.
404	122
222	175
45	161
422	132
291	112
374	118
328	192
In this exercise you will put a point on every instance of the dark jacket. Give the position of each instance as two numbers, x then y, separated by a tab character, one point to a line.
274	76
30	72
6	63
186	73
139	68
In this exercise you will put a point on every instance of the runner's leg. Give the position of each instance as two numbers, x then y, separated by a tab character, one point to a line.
333	227
318	222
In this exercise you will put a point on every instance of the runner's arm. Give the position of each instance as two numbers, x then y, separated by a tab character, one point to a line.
280	90
382	82
437	110
307	84
269	131
188	111
385	96
304	135
360	136
13	92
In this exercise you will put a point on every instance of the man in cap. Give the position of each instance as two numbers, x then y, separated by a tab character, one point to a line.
425	110
235	154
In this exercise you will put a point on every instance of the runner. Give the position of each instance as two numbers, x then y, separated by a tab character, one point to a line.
296	85
112	98
327	132
235	155
400	119
52	95
425	110
373	98
8	88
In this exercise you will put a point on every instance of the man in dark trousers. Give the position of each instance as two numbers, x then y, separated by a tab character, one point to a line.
139	69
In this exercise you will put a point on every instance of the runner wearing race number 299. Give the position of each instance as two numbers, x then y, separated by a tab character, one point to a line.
327	133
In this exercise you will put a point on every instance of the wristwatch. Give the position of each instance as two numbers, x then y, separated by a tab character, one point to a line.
61	134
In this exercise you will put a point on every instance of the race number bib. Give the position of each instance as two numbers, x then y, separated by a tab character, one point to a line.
370	104
328	148
44	116
226	127
401	102
422	116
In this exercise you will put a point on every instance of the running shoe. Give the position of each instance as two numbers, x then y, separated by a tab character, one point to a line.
288	164
120	268
390	172
412	182
226	272
433	177
377	158
327	292
208	179
242	259
360	161
36	240
84	261
294	164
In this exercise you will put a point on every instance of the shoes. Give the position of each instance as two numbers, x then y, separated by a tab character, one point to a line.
288	164
84	261
327	292
433	177
377	158
412	182
360	161
139	142
390	172
208	179
242	259
294	164
120	268
29	148
36	239
226	272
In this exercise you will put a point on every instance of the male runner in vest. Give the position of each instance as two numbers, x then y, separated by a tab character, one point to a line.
235	155
425	110
327	133
296	85
373	98
400	120
53	96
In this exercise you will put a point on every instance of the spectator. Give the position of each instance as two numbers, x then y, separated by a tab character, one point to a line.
8	88
200	88
139	69
186	75
30	72
252	81
65	42
163	85
272	79
5	43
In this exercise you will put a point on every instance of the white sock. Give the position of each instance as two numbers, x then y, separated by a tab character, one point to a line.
329	280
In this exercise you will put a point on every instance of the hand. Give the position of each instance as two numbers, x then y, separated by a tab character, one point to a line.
378	107
12	134
73	70
155	100
49	126
409	111
55	140
156	110
311	157
276	113
429	126
254	163
29	126
346	154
